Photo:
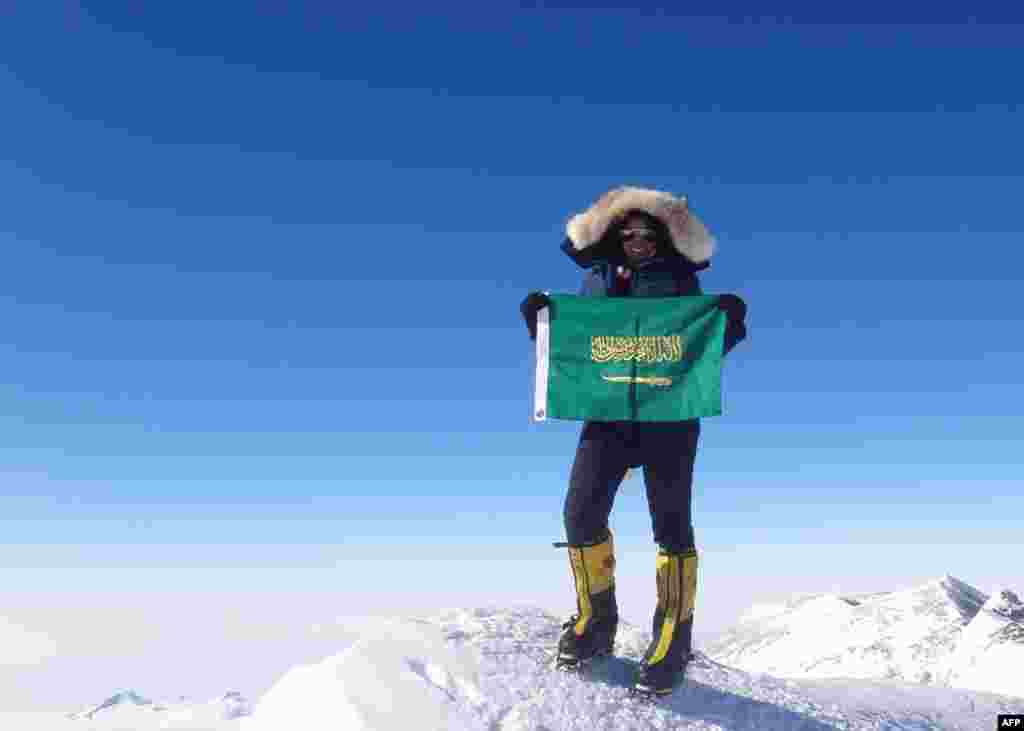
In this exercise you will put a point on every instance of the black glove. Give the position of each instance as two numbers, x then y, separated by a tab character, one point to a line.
735	331
735	310
533	302
734	307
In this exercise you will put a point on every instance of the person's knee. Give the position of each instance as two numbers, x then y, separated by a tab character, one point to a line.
583	529
585	522
681	541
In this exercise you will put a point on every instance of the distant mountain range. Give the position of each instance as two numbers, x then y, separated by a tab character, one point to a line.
490	668
230	705
943	633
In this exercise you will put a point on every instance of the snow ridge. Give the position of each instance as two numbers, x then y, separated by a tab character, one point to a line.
990	654
131	707
121	699
489	669
944	632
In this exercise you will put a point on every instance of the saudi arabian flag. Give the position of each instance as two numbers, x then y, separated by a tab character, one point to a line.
629	359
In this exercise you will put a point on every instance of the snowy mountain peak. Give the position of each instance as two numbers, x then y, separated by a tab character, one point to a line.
490	669
991	648
943	632
129	706
128	696
904	635
125	698
965	598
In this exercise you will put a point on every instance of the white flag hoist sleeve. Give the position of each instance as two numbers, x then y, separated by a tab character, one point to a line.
540	391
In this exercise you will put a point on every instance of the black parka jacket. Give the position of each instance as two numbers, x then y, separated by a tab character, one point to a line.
666	275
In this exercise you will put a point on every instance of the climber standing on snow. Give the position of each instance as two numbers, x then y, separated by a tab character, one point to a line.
635	242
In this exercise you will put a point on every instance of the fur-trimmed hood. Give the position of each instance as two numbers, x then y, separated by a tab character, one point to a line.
689	236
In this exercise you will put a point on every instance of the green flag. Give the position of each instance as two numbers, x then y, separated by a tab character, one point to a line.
629	359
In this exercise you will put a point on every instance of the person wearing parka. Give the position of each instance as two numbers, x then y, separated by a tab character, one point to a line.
635	242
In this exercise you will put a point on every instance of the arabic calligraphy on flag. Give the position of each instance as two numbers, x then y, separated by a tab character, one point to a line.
629	359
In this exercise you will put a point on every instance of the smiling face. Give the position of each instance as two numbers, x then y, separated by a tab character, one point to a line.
639	239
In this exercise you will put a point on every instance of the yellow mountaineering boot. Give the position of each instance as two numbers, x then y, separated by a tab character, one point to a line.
664	663
590	632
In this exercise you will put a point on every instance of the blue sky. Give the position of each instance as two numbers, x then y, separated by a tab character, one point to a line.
262	267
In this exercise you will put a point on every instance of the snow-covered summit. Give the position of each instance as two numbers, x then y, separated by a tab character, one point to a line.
965	598
990	654
130	707
122	699
944	632
490	669
905	635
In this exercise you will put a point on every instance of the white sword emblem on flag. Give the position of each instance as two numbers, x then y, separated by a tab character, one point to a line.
651	380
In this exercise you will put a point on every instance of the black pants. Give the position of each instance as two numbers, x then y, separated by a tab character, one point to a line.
666	450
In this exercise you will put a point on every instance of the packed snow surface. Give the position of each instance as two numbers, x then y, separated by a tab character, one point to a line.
489	669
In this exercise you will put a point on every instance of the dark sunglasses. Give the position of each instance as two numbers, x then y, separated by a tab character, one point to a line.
638	233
